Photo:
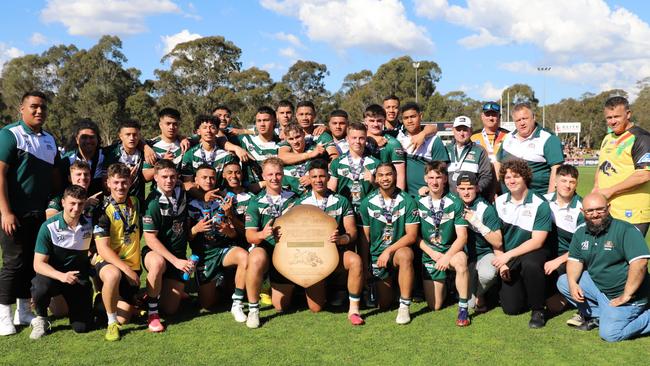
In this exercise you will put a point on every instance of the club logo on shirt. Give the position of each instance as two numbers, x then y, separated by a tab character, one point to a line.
568	218
527	213
644	159
628	213
584	245
531	145
608	245
607	168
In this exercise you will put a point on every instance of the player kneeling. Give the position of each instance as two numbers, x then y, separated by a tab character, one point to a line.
214	240
62	266
444	235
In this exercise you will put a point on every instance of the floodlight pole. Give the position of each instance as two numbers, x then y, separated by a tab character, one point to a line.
416	65
543	70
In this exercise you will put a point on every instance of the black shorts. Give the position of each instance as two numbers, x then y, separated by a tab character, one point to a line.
126	291
171	272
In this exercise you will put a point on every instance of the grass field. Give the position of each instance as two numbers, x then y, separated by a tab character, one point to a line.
302	338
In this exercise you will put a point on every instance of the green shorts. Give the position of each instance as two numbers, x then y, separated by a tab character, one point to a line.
210	265
430	273
381	273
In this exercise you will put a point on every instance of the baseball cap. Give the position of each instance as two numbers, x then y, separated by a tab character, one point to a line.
491	106
467	177
462	121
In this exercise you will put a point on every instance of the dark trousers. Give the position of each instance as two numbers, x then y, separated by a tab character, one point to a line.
526	288
79	298
18	258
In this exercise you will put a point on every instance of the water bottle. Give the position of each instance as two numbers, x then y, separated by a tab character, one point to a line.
194	259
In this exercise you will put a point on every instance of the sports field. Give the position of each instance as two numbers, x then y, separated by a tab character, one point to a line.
326	338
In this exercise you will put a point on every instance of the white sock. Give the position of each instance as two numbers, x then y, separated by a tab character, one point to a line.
112	318
5	310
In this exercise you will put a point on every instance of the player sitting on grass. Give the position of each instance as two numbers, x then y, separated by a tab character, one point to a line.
117	236
213	239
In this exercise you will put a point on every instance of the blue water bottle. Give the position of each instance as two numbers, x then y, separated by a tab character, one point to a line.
195	260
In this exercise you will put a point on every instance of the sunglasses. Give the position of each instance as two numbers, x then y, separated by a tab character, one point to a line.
491	107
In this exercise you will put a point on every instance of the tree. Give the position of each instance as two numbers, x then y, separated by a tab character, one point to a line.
397	77
518	93
305	81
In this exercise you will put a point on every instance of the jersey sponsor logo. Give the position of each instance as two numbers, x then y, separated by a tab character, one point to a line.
248	218
415	213
608	245
116	215
607	168
147	220
584	245
86	234
644	159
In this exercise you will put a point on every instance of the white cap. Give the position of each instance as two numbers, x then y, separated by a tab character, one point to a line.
462	121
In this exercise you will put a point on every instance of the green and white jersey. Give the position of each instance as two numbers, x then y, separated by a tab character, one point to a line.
197	156
241	203
292	173
391	152
607	257
161	147
565	220
31	158
387	218
520	220
260	151
264	208
431	150
541	150
342	146
324	139
207	241
167	217
349	173
438	221
116	154
66	247
334	205
477	246
97	168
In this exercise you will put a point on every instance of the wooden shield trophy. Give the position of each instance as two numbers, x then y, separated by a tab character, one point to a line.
304	254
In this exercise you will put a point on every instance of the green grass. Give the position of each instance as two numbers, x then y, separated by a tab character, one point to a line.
303	338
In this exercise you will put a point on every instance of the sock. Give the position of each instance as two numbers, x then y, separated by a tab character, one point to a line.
404	302
354	297
112	318
153	305
462	303
237	297
253	306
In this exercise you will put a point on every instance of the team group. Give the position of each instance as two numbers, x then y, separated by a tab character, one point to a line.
491	210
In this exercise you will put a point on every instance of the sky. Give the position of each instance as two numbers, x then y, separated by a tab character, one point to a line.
481	46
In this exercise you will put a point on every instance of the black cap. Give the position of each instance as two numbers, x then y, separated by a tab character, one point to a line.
467	177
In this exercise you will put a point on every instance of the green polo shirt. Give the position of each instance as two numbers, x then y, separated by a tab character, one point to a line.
541	150
116	154
565	221
66	247
350	179
451	217
520	220
335	206
197	156
607	257
260	151
391	152
402	210
431	150
262	209
477	246
167	220
31	158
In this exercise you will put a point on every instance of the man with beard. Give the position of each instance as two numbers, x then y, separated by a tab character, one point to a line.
607	274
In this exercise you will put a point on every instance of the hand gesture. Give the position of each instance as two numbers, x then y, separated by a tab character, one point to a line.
70	277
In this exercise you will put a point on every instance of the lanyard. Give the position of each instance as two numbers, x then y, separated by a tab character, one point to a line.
276	207
436	215
124	216
173	200
463	155
318	202
387	211
488	145
355	171
130	160
212	157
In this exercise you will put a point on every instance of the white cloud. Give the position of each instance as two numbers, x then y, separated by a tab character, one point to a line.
169	42
288	37
289	52
37	39
486	91
372	25
98	17
7	53
586	42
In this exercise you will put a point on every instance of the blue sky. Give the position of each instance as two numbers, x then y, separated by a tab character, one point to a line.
482	46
